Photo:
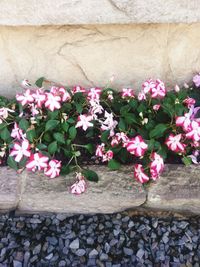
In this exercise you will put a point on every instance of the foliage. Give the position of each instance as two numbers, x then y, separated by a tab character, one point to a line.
53	129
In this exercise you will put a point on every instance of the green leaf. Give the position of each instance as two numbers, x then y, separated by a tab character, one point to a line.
133	103
113	164
79	108
52	148
187	161
2	125
90	148
122	125
5	134
41	146
59	137
47	137
72	132
130	118
158	131
51	124
12	163
71	120
65	126
39	82
31	135
53	114
90	175
65	170
104	136
23	124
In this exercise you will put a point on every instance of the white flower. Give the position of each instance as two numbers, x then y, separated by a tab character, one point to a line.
20	150
84	121
52	102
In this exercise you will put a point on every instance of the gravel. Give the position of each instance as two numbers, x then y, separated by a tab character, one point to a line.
106	240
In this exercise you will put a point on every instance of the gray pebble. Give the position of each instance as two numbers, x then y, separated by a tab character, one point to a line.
80	252
49	257
93	253
128	251
74	244
140	253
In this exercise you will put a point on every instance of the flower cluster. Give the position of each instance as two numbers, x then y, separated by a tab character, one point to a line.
49	129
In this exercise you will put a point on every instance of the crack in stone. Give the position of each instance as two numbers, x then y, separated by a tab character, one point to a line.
116	7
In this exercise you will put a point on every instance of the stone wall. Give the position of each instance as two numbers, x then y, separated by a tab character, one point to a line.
90	54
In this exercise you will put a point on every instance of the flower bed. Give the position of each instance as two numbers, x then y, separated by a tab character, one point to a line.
52	129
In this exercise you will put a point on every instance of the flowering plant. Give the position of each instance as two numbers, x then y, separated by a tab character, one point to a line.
53	129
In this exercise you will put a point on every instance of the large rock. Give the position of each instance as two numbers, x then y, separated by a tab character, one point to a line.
116	191
177	190
59	12
90	55
10	189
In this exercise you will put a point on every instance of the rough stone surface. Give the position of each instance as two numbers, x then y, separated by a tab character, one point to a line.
46	12
115	191
89	55
177	189
9	189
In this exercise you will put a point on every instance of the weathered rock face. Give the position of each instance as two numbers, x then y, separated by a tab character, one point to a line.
46	12
177	190
9	189
90	55
116	191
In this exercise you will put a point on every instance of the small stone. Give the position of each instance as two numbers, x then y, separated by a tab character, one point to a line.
131	224
183	224
65	250
37	249
126	219
80	252
49	257
35	221
61	217
103	257
17	263
128	251
26	258
74	244
93	253
90	241
52	240
140	253
113	242
62	263
107	247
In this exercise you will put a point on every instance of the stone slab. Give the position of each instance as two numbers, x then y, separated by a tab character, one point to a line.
60	12
115	191
177	190
9	189
89	55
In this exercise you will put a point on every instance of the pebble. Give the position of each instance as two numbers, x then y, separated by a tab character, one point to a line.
99	240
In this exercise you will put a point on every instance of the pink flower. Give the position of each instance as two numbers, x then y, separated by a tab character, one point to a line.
37	161
189	101
78	89
107	156
174	144
139	174
159	91
127	92
25	98
148	86
122	137
100	150
184	121
65	96
52	101
25	84
156	107
79	186
84	121
17	132
39	98
96	108
109	123
156	166
137	146
196	80
177	88
114	142
141	96
94	93
4	112
20	150
194	131
53	169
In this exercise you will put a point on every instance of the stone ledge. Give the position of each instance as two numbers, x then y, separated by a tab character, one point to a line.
178	190
62	12
115	191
